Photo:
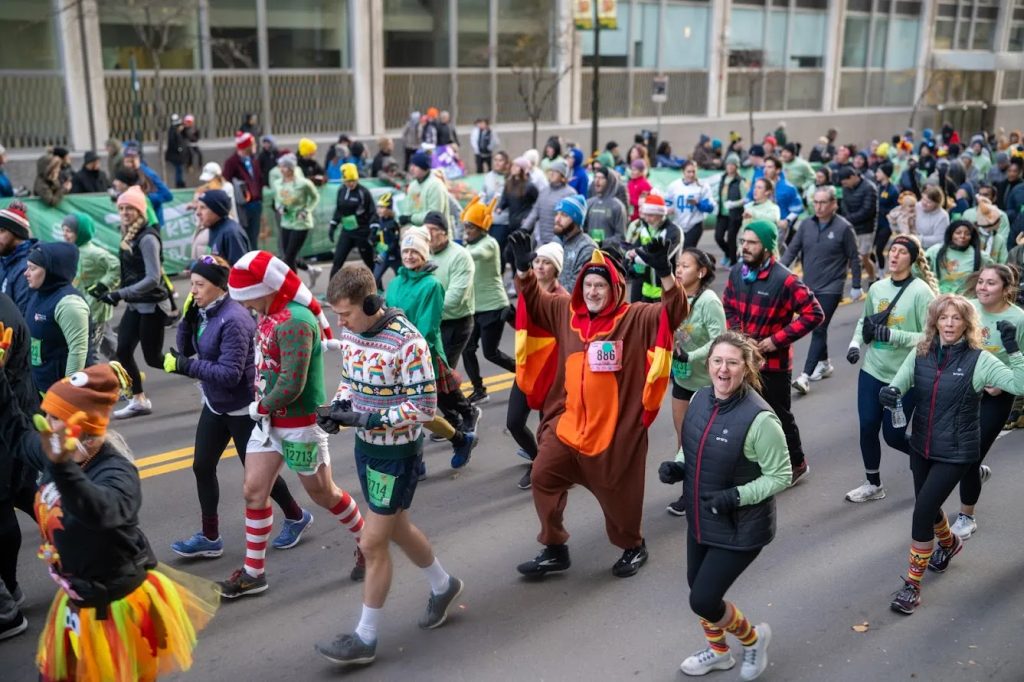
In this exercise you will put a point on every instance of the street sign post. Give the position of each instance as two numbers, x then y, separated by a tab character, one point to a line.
659	95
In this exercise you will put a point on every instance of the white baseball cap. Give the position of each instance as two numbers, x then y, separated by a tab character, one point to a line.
210	171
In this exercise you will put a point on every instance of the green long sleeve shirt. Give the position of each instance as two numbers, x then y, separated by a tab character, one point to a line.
956	267
989	371
798	172
455	271
704	323
488	289
765	445
72	316
993	241
296	199
990	337
883	359
424	196
97	266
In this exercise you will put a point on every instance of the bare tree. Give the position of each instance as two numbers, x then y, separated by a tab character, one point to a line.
754	78
932	80
533	59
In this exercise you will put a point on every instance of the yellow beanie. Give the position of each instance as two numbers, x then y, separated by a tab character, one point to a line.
307	147
882	151
479	214
349	172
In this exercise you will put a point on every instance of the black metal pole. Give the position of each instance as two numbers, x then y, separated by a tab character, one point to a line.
594	104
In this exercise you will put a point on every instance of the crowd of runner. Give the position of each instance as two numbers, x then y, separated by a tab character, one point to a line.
609	292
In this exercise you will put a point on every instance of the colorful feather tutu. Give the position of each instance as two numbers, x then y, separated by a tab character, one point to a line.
149	633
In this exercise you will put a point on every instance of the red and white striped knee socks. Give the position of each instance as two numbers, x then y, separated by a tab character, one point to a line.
258	523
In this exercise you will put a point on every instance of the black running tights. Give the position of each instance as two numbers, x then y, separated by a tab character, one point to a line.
515	421
140	328
994	412
710	572
933	482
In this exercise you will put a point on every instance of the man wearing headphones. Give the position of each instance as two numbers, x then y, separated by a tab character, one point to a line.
387	393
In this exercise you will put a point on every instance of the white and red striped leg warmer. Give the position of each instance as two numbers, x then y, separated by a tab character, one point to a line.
347	513
258	524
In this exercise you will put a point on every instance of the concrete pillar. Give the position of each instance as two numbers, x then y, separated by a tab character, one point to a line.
566	46
925	31
718	59
833	56
361	21
79	39
1001	42
264	57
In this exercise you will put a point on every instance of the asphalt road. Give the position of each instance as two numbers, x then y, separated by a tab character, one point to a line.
832	565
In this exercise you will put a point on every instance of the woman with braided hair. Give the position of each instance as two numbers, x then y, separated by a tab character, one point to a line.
895	311
956	256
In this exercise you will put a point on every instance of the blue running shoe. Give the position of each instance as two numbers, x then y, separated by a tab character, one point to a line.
198	546
292	531
464	451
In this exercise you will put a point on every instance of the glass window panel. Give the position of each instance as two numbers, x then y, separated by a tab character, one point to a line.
744	36
1016	38
946	10
524	31
775	50
902	49
645	36
686	37
984	35
880	33
120	39
234	41
473	37
858	5
807	42
911	8
963	35
307	34
855	42
29	36
944	35
415	33
614	44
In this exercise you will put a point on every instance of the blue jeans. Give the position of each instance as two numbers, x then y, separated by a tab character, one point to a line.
179	175
251	214
873	417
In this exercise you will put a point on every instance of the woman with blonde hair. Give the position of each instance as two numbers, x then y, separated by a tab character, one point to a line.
948	372
212	177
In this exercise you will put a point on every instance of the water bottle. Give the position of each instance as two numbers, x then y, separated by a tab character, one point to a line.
899	418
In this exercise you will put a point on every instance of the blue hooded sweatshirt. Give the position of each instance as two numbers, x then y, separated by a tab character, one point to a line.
579	180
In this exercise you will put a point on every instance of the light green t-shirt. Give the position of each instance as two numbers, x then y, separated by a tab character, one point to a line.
704	323
489	290
907	320
956	267
990	337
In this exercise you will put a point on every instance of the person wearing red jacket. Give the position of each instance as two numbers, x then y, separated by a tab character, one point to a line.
243	168
771	305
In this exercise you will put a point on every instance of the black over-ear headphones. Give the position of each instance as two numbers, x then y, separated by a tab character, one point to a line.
372	304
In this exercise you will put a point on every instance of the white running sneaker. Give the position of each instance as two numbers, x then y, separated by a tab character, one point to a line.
985	471
965	526
801	384
865	493
314	273
705	661
823	370
755	658
134	408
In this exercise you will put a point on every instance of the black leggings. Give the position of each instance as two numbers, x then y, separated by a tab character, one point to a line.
352	239
291	244
487	330
10	534
710	572
144	328
994	411
515	421
211	439
933	482
726	231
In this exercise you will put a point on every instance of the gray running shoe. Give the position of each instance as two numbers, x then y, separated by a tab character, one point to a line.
438	604
347	650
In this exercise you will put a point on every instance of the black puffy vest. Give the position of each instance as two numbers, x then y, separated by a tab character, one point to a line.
948	408
714	432
49	352
133	268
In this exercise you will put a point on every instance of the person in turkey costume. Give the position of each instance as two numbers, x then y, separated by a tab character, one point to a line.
118	616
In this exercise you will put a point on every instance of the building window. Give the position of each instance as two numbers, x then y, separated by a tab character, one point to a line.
686	37
614	43
121	23
525	32
416	33
29	36
474	36
307	34
234	39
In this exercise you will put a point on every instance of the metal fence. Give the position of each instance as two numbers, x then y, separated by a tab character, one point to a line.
861	88
774	90
408	90
235	94
311	102
183	93
33	109
687	94
511	106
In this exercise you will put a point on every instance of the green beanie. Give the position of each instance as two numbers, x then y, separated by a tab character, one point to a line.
82	226
606	159
766	232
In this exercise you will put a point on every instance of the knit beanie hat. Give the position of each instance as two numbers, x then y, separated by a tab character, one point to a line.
349	172
479	214
288	160
307	147
259	273
93	391
82	225
654	204
766	232
216	200
244	141
420	160
573	207
639	164
733	158
417	239
134	197
523	163
559	166
554	252
14	219
436	219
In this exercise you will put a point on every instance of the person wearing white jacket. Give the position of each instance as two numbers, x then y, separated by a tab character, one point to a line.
692	201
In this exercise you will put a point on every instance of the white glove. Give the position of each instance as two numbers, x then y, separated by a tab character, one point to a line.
331	344
855	294
255	414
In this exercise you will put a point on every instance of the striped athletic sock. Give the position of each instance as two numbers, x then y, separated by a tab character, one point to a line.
943	534
918	563
258	524
715	636
741	627
347	513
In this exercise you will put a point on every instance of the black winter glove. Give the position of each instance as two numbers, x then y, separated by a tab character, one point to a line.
404	219
722	501
521	246
671	472
655	255
97	290
332	231
323	415
1008	335
853	355
111	297
889	396
681	355
867	331
883	333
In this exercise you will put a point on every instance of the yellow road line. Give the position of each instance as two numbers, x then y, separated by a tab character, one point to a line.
179	465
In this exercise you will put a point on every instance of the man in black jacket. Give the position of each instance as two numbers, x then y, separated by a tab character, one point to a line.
227	238
177	150
90	178
860	208
354	212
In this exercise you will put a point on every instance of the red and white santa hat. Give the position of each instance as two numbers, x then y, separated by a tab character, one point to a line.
243	141
260	273
654	204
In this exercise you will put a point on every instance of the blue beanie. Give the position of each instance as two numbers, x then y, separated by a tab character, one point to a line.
217	201
573	207
420	159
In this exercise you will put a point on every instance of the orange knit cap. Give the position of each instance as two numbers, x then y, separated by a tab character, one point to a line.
94	391
479	214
